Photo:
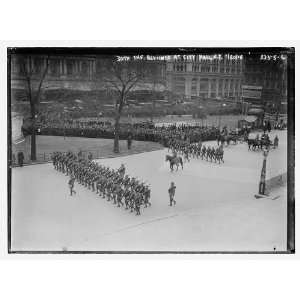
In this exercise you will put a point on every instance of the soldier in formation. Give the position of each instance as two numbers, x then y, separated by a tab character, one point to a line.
171	192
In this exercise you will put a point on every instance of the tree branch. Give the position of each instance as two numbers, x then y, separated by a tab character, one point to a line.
131	86
41	81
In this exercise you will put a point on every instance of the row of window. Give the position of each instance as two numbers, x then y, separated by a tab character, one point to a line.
213	93
206	69
267	83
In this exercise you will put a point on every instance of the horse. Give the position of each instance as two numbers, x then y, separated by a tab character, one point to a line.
230	138
266	143
174	161
221	139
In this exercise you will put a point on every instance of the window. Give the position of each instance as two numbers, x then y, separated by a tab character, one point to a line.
84	68
37	63
70	67
54	67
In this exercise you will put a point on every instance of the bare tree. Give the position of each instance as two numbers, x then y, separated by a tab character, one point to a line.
155	80
34	82
121	78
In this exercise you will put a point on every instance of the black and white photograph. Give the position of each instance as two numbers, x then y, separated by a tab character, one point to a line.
151	150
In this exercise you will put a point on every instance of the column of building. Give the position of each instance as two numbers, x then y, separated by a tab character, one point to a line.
234	86
228	88
209	88
188	80
188	87
61	67
223	88
198	87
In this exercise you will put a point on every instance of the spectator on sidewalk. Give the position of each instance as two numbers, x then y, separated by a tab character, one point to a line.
20	158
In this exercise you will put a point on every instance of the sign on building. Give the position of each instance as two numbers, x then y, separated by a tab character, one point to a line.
251	92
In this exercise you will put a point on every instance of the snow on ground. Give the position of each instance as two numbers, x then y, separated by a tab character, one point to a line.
216	209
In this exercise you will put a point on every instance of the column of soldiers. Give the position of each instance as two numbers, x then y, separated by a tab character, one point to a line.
197	150
108	183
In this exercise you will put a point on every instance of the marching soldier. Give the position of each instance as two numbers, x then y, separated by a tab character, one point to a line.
212	153
137	204
147	197
122	170
90	156
71	185
171	191
203	152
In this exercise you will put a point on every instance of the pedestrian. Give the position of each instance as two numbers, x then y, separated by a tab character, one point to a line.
20	158
71	186
90	156
276	142
269	127
13	159
171	191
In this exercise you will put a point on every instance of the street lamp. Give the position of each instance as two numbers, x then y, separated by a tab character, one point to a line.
262	182
222	105
64	112
201	113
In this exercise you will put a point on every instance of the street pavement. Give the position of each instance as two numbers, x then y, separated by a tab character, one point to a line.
216	209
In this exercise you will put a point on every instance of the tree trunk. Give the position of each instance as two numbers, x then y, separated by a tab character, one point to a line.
117	132
33	142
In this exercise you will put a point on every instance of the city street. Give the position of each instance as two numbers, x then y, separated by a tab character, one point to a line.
216	208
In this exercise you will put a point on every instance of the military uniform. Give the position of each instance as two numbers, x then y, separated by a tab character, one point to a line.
106	182
171	191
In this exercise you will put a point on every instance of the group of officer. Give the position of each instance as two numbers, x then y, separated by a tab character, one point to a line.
108	183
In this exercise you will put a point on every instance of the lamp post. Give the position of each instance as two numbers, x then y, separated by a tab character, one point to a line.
222	105
262	182
64	114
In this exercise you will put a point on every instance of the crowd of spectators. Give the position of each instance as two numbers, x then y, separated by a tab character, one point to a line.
140	131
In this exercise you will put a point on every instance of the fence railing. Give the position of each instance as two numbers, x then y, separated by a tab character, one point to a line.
45	157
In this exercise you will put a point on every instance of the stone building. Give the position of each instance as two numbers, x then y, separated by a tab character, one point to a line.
75	72
64	72
207	77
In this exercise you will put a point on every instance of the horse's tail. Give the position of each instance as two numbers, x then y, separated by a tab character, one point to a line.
181	161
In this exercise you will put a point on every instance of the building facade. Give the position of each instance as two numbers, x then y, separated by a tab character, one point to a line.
205	77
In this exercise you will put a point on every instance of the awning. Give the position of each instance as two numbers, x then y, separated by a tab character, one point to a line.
255	111
250	119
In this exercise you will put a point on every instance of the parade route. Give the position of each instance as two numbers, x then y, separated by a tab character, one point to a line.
216	208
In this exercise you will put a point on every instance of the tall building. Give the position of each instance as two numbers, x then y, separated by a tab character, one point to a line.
207	77
268	73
